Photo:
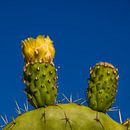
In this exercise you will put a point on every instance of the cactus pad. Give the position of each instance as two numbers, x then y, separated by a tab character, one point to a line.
40	80
64	117
102	86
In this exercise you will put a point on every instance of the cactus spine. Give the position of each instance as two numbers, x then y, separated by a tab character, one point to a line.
40	75
102	86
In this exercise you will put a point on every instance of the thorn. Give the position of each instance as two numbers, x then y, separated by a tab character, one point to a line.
119	112
71	98
4	120
18	108
77	100
26	106
83	102
90	68
60	101
120	117
66	98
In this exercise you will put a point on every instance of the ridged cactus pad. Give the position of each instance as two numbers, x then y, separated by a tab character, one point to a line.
64	117
102	86
41	82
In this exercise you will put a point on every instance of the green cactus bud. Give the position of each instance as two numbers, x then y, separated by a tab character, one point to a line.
102	86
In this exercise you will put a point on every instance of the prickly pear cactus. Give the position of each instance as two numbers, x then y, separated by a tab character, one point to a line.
40	79
102	86
40	75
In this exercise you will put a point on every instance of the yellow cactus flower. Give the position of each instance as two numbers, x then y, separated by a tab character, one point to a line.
40	49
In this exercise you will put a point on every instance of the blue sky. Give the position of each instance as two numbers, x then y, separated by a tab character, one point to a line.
84	32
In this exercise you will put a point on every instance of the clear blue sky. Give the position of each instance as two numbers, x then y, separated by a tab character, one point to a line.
84	32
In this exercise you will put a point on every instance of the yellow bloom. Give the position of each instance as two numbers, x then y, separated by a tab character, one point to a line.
40	49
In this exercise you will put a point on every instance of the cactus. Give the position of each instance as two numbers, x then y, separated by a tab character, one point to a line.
64	117
39	72
40	79
102	86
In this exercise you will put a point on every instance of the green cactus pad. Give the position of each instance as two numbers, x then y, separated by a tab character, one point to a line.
64	117
102	86
40	80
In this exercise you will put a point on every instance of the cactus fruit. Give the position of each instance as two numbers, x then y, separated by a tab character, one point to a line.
102	86
40	79
64	117
39	72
